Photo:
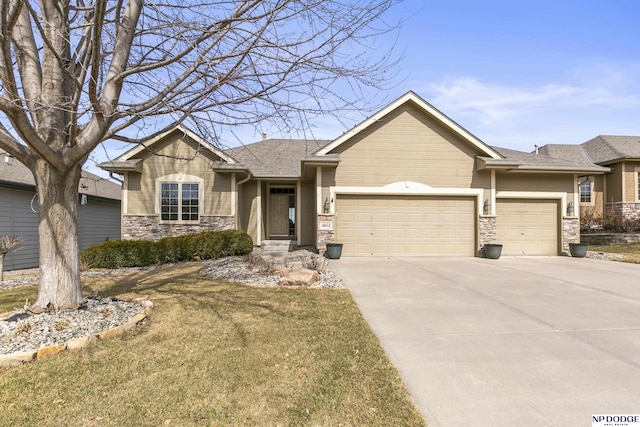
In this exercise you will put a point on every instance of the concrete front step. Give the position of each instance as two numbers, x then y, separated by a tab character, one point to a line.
278	245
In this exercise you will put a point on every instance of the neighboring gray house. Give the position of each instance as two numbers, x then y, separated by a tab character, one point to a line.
98	220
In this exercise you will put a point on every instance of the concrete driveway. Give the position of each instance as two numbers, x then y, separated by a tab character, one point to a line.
522	341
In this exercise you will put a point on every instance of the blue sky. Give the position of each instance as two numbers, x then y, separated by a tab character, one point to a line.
514	73
519	73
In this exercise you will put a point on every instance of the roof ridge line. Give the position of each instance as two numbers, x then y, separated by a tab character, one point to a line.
586	154
602	137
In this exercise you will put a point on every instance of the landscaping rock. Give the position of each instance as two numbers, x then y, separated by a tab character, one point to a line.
297	277
15	359
49	351
81	342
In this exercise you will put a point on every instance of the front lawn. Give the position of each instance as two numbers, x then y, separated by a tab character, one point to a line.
214	353
631	251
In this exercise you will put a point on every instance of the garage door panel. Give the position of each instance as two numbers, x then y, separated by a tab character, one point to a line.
406	225
527	227
398	217
362	217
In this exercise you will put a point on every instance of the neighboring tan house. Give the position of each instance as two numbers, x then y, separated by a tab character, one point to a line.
98	217
618	189
406	181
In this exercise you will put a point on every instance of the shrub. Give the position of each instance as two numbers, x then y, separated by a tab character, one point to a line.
611	222
193	247
118	253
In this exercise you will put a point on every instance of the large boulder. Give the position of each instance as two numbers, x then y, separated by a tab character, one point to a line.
297	277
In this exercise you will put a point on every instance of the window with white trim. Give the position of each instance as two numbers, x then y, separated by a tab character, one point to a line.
585	190
179	201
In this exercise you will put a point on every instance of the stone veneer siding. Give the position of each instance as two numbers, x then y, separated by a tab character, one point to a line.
487	230
570	232
325	236
629	210
135	227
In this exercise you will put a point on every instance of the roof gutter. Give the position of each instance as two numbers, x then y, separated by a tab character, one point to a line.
489	163
230	169
562	169
120	166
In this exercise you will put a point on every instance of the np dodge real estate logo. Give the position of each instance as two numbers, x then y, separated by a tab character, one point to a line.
615	421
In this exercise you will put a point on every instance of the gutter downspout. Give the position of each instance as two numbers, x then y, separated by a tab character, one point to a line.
238	184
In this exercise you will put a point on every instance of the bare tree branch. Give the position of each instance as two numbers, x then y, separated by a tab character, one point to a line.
74	73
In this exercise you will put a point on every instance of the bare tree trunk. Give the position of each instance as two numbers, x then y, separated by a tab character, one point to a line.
59	254
1	268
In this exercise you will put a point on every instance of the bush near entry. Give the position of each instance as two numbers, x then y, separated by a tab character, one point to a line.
192	247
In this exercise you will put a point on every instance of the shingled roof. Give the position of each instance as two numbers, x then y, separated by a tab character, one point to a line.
575	153
519	160
276	157
17	174
605	149
281	158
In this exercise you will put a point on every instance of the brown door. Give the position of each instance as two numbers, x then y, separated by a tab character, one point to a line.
279	215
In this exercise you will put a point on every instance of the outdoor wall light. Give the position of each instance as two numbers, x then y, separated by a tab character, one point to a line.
485	208
8	159
570	209
326	206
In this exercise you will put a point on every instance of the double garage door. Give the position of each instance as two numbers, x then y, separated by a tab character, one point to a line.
377	225
406	225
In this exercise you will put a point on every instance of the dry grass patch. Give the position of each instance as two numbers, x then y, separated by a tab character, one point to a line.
631	251
216	353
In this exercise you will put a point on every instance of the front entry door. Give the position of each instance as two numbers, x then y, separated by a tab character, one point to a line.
279	215
282	212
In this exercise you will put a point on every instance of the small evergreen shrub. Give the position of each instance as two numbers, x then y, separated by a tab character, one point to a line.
118	253
141	253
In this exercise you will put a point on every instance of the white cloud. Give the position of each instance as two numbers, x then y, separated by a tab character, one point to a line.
587	102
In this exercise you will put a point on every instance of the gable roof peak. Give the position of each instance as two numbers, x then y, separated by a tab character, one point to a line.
178	128
426	108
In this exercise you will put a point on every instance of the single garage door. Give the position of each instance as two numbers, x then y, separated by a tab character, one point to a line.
527	227
406	225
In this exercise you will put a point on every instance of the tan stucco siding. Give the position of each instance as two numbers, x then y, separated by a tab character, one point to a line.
178	157
218	197
598	192
138	201
482	180
536	182
248	209
307	213
406	146
596	207
328	180
614	184
630	184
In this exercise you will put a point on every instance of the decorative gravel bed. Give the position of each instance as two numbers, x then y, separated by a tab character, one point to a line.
23	331
606	256
234	269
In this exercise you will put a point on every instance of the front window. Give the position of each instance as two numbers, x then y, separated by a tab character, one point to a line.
585	191
179	202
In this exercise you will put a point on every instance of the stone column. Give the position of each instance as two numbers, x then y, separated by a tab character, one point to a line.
326	231
487	229
570	232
